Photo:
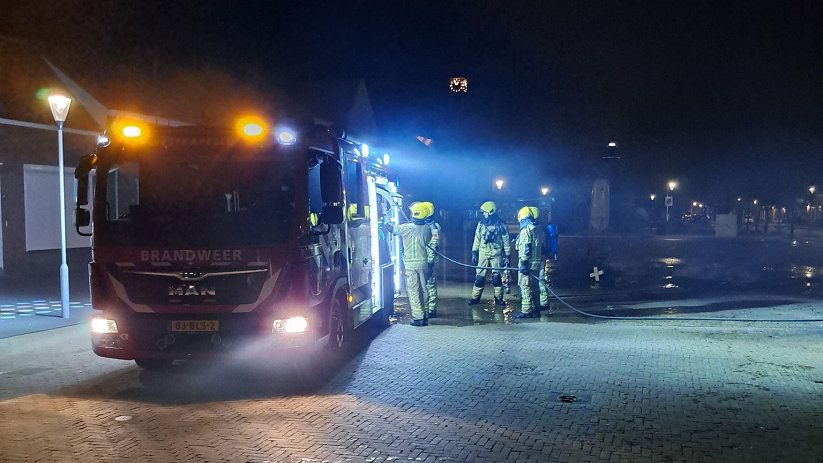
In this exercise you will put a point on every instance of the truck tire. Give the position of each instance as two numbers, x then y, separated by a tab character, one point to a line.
340	329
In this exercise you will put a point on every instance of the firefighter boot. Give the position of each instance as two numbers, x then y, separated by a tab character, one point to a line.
530	314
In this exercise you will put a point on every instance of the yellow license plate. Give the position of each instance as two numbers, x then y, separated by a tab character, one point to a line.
194	325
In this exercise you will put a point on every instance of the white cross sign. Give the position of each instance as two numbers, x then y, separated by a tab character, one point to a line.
596	274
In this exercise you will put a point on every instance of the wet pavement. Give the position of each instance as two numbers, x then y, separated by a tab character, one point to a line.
641	276
471	386
668	358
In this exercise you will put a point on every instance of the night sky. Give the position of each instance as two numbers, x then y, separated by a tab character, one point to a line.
725	97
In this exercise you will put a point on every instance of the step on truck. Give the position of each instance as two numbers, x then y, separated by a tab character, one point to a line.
247	242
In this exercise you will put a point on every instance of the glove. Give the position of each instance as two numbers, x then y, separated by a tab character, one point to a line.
524	269
429	270
505	262
475	257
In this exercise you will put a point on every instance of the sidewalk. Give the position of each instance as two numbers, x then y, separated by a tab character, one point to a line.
536	391
31	303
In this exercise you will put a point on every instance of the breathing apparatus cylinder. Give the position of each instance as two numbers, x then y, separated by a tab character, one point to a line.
552	230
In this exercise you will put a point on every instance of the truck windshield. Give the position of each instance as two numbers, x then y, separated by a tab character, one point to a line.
154	201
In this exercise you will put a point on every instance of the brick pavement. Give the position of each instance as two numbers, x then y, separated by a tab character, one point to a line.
645	392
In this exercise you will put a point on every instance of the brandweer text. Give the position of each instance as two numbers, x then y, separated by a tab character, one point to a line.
189	255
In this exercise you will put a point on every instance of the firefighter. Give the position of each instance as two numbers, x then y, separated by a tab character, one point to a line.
415	235
528	252
433	258
489	250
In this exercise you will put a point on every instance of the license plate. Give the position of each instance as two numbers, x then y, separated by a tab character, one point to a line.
194	325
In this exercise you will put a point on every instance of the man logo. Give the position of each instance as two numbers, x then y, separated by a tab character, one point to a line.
191	290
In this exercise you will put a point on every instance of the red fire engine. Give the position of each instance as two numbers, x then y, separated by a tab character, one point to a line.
211	243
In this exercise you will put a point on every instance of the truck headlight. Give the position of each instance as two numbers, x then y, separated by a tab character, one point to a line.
291	325
103	325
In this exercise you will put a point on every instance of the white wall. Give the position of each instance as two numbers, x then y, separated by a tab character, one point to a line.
41	192
2	225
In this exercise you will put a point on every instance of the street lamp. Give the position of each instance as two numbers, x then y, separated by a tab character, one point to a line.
669	200
652	196
499	184
544	190
59	105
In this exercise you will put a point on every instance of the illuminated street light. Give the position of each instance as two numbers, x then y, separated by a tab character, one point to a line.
499	184
60	105
811	189
611	153
669	199
544	190
652	196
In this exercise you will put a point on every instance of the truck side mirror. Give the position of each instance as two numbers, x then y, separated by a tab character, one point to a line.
81	175
331	184
81	192
82	218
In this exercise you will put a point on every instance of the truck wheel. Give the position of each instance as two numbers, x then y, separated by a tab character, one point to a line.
339	329
153	364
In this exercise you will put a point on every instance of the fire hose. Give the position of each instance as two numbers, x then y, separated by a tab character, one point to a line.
616	317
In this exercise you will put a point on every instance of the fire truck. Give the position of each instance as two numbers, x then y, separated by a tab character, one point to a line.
253	241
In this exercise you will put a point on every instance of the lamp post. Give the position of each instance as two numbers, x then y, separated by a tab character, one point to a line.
669	200
499	184
59	105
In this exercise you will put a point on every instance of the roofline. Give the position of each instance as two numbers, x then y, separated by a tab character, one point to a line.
33	125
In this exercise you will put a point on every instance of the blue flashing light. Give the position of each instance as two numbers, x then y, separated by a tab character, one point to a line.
286	136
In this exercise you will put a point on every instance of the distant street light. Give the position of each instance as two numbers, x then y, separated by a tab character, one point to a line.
669	199
811	189
544	190
652	196
612	151
499	184
60	105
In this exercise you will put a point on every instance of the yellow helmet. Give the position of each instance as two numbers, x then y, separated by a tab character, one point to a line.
352	212
430	208
419	210
488	207
527	211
